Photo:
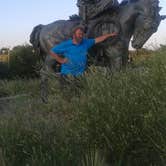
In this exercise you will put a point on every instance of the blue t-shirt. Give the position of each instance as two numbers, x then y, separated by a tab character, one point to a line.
76	55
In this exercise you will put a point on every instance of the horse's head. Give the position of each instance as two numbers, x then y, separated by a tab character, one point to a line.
147	22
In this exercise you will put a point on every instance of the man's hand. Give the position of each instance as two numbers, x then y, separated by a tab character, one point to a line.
113	34
65	60
104	37
58	58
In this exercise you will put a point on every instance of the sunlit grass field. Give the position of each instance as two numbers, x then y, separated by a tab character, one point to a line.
114	119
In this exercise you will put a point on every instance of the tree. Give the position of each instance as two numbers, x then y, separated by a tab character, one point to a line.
23	61
4	51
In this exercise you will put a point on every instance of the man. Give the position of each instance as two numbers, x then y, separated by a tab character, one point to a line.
75	51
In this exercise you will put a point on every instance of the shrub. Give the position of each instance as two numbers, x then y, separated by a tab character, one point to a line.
23	61
117	118
4	70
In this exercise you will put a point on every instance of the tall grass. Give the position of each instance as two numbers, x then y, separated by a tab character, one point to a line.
113	119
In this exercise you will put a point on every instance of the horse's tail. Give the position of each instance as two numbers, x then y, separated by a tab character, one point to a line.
34	39
34	36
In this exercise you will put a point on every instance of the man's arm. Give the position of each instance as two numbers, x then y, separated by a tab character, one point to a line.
104	37
58	58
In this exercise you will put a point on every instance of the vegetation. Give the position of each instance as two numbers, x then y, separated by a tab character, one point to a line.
115	118
4	70
4	51
21	62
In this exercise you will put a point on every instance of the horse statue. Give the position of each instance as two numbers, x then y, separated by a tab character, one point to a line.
137	19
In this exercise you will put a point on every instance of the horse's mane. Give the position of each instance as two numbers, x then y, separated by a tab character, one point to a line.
125	2
74	17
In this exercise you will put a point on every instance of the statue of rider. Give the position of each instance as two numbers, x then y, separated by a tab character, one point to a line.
89	9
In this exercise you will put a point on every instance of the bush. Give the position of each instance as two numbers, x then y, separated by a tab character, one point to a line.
4	70
23	61
117	118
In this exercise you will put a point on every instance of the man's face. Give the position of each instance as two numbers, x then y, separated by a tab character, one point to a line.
78	35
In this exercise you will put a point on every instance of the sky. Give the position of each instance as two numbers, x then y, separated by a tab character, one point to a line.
18	17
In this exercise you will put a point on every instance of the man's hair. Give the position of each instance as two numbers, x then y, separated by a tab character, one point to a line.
78	27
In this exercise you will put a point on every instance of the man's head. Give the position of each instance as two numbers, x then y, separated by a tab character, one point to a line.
78	34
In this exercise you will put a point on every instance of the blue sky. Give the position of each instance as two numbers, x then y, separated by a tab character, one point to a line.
18	17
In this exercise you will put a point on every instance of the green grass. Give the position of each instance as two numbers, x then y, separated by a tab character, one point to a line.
117	118
19	86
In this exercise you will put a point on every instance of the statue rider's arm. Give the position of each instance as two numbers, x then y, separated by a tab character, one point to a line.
104	37
58	58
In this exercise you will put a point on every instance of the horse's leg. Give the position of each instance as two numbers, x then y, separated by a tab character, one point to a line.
117	56
125	57
48	69
114	58
44	84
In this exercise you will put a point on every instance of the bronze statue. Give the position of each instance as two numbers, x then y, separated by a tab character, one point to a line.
89	9
136	18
